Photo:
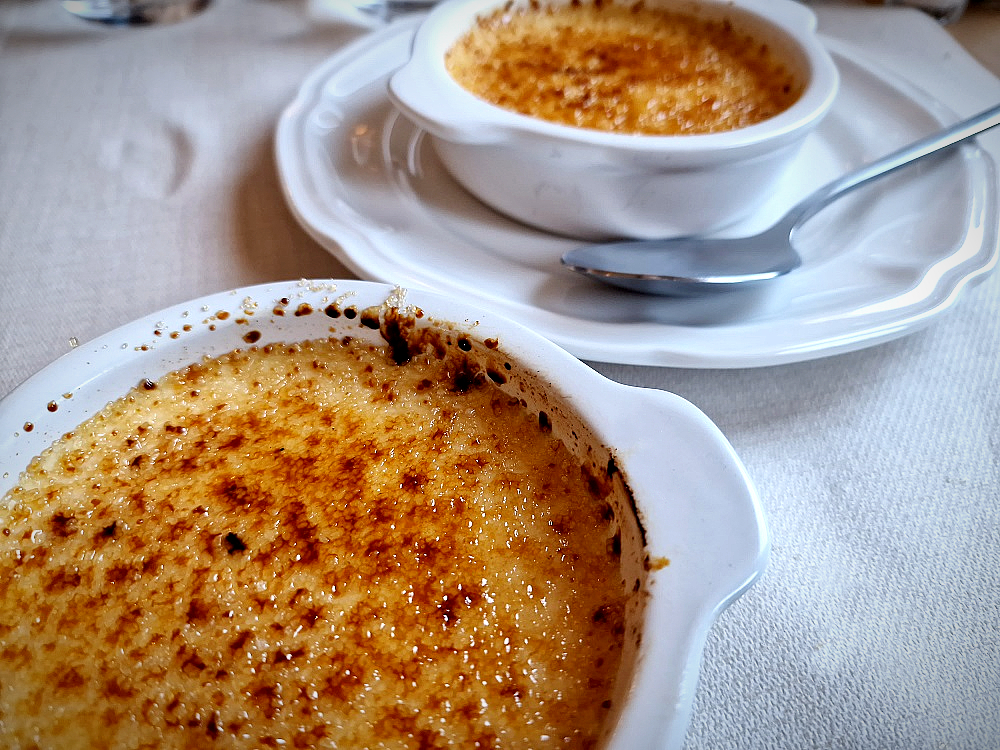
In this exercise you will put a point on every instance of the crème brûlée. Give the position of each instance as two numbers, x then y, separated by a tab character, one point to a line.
311	545
622	68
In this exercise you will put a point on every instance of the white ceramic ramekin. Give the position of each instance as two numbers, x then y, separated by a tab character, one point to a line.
690	500
591	184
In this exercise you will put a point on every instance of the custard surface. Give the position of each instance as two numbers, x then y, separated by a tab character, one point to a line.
309	546
624	69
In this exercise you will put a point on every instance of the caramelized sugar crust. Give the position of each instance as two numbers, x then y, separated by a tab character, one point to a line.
309	546
625	69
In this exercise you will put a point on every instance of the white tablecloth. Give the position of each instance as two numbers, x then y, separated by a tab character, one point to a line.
136	172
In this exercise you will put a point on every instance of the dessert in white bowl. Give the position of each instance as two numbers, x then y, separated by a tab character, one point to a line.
270	600
686	145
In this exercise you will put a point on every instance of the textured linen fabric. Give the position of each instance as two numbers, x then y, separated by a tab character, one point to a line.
136	172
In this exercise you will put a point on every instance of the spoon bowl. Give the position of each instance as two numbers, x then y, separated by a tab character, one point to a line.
696	265
690	266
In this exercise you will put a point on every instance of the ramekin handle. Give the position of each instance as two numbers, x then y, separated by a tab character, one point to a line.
438	105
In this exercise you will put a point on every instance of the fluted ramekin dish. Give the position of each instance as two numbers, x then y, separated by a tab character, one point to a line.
594	184
684	497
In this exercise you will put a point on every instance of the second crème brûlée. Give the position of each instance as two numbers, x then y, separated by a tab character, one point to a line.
317	545
622	68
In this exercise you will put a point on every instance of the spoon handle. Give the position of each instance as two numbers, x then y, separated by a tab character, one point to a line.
951	136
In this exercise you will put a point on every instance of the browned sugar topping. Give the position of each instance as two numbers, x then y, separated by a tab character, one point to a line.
625	69
309	546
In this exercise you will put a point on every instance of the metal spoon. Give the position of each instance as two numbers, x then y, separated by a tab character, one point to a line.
687	266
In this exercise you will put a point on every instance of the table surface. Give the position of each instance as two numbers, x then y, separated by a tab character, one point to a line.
136	172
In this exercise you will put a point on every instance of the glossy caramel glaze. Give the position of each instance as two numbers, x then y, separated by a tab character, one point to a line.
625	69
317	545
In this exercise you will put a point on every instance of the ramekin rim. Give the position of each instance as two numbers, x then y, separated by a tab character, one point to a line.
815	100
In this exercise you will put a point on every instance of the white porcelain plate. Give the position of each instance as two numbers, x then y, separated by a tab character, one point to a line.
367	185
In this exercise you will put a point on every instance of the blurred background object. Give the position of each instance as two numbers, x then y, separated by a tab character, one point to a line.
366	13
134	12
945	11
